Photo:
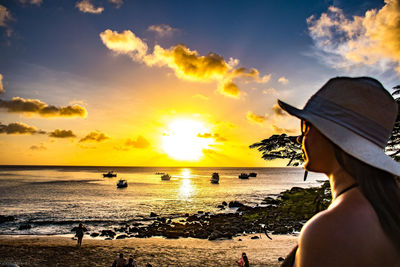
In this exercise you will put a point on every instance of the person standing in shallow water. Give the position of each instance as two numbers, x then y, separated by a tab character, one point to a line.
345	127
80	231
243	261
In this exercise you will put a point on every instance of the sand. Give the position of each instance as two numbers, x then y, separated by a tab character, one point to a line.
62	251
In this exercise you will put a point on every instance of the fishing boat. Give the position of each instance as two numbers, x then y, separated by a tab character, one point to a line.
166	177
243	176
122	184
252	174
215	178
110	174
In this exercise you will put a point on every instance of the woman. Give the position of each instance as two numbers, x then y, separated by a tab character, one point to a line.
345	127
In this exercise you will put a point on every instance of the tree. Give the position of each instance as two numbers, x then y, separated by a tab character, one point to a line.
285	147
280	147
393	146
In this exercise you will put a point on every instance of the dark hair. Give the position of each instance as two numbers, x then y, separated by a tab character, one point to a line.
380	188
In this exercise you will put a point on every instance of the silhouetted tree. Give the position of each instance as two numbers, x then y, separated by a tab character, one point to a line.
280	147
393	146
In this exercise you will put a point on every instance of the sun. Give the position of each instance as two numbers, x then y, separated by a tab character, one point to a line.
184	141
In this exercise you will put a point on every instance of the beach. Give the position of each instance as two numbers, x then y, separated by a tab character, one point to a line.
37	250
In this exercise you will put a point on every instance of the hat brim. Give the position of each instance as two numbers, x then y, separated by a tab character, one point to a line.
350	142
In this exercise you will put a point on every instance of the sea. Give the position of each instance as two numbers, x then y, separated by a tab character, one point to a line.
54	199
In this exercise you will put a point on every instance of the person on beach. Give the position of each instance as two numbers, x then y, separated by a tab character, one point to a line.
131	262
79	233
243	261
345	127
119	262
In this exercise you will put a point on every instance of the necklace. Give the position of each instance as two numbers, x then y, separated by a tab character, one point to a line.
347	189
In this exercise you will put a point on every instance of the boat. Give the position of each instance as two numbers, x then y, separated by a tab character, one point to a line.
110	174
160	173
122	184
243	176
166	177
215	178
252	174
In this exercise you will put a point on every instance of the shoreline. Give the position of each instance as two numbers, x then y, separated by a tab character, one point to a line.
33	250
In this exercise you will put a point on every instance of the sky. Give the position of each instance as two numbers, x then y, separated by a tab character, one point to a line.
175	83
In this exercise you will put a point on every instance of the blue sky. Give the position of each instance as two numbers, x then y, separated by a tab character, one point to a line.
52	51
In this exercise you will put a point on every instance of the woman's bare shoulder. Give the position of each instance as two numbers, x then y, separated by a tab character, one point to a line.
347	232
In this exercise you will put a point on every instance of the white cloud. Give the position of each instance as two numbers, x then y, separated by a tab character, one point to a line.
283	80
86	6
371	40
162	30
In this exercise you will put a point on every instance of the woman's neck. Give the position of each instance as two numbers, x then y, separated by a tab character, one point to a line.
339	180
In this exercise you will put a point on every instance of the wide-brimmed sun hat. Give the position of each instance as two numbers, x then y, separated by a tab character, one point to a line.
357	114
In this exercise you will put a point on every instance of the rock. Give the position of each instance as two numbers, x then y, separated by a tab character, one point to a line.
235	204
215	235
222	207
108	238
280	259
4	218
109	233
24	227
152	214
192	218
94	234
224	203
200	212
239	239
121	237
255	237
186	214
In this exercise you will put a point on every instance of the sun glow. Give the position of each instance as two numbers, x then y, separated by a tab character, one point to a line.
183	140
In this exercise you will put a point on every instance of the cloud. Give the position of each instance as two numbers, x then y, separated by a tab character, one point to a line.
371	40
86	6
200	96
124	43
62	134
2	91
38	147
94	137
216	136
277	129
283	80
162	30
187	64
19	128
5	16
255	118
32	2
278	111
140	142
118	3
35	106
270	91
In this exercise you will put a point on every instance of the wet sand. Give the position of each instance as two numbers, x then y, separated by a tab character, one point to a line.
62	251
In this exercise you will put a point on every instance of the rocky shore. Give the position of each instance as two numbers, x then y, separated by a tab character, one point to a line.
283	214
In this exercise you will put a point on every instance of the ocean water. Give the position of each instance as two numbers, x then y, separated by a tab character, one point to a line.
54	199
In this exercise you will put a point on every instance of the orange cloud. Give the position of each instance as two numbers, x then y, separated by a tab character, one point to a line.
32	2
371	39
280	130
5	16
255	118
62	134
94	137
86	6
2	91
19	128
39	147
140	142
278	111
216	136
35	106
117	3
187	64
283	80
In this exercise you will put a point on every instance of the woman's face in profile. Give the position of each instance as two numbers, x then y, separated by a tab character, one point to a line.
317	151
